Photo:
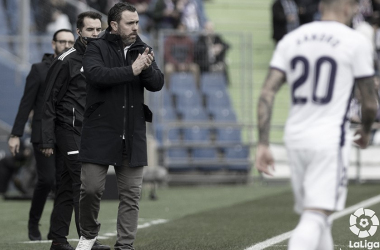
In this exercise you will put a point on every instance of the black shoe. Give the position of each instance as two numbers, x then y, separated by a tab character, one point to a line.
98	246
61	246
33	232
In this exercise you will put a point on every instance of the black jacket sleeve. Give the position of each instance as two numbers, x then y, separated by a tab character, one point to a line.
103	76
56	78
27	101
152	78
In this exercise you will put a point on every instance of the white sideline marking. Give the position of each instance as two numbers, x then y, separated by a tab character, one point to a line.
105	236
279	238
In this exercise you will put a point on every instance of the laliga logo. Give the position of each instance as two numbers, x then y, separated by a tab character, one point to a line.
364	231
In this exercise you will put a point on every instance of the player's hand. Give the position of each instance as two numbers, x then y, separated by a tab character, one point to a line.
47	151
264	160
361	138
14	145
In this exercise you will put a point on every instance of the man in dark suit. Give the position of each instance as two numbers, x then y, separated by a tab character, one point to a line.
33	100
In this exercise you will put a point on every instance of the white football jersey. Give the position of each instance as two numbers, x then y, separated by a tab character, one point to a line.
321	60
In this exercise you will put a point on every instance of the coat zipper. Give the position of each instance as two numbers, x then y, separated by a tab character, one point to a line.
125	99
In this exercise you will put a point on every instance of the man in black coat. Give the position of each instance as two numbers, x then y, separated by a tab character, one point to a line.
62	116
33	100
118	67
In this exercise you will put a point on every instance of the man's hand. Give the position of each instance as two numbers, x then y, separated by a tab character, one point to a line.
47	151
264	160
14	145
142	62
361	138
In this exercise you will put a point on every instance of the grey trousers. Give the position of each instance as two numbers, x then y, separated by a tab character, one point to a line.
129	182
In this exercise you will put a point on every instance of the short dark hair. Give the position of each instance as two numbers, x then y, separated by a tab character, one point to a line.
59	31
115	12
335	1
90	14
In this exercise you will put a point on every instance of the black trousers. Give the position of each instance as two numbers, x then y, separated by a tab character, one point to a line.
67	197
48	176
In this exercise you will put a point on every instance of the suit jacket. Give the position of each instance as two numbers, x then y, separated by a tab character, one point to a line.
32	99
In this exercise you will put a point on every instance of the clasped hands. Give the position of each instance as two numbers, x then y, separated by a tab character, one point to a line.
142	62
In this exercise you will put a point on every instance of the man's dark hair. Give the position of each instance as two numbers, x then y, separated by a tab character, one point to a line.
115	12
59	31
90	14
335	1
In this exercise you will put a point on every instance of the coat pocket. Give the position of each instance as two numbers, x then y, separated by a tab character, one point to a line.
147	113
92	108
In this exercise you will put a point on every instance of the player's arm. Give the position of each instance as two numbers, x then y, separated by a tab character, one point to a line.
272	84
274	81
369	108
56	78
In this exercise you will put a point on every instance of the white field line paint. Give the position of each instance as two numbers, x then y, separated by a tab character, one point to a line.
105	235
279	238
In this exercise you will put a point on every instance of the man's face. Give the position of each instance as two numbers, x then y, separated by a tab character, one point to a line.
64	40
91	28
127	27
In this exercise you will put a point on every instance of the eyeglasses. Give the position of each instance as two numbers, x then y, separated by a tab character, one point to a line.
71	43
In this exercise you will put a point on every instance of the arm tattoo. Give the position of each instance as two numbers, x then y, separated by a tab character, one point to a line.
272	84
264	117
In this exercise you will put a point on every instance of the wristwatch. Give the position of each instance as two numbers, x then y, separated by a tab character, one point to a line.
13	136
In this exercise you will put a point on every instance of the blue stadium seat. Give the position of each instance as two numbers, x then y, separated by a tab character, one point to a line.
228	135
236	152
212	81
160	99
206	159
237	158
194	114
164	134
218	99
223	114
177	159
188	99
163	115
179	153
179	82
196	134
204	153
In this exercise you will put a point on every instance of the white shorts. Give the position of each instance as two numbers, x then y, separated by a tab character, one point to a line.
319	178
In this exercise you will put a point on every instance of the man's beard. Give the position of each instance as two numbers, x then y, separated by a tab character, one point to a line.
57	52
127	40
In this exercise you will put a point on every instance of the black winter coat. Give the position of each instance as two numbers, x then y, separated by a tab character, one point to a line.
65	95
278	21
115	102
32	99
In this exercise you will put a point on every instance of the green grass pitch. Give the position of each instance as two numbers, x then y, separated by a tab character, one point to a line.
197	218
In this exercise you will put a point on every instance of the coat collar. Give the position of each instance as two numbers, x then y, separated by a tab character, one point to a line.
48	57
79	46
